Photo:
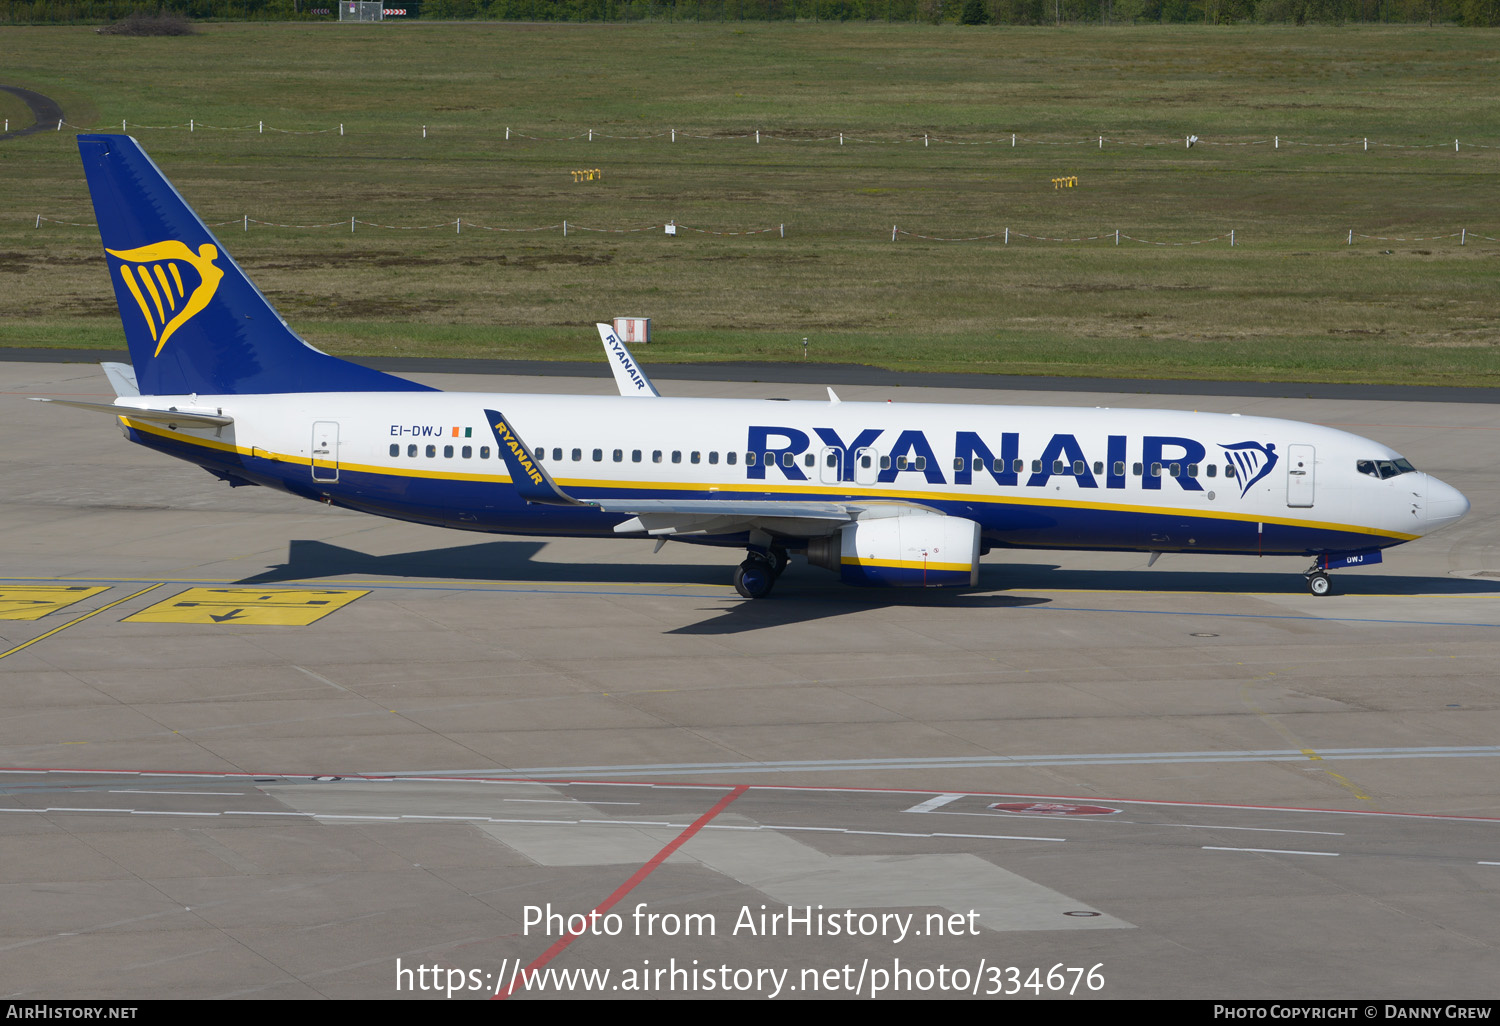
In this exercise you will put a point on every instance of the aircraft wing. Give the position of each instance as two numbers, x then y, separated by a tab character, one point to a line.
172	417
662	517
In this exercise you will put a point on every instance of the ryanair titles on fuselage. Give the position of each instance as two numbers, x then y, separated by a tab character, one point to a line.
778	448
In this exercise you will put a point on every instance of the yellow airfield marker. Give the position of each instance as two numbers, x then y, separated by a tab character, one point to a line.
262	607
34	601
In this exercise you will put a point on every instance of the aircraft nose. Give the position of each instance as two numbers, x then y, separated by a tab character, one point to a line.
1445	505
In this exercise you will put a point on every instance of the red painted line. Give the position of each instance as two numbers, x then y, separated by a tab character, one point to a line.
625	888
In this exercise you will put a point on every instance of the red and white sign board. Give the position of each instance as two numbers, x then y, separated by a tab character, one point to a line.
633	329
1053	809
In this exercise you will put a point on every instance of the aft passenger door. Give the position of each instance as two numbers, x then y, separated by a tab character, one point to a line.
325	451
1300	481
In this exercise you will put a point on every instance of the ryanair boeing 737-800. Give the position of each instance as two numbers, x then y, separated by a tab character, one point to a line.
882	494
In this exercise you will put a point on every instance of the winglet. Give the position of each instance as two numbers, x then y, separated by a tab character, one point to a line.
533	483
629	378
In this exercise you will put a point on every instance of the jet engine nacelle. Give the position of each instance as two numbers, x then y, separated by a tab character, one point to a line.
912	551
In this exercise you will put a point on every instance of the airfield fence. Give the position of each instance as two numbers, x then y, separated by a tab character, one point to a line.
1117	236
758	136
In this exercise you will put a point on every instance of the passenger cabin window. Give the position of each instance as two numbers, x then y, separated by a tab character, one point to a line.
411	450
1229	470
731	458
655	455
695	457
1098	466
749	459
557	455
713	457
395	450
1036	466
619	455
676	455
577	455
1156	470
810	460
635	455
900	462
467	452
885	463
1136	470
431	451
484	452
447	452
1211	469
1119	468
598	455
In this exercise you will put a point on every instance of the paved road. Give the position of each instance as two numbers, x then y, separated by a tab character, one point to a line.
45	110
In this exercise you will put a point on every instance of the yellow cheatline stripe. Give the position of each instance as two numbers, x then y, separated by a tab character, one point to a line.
811	491
80	619
909	564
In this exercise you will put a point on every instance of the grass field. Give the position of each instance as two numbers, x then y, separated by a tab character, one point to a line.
1290	301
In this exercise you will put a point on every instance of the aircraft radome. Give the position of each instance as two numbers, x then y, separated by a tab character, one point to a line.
880	493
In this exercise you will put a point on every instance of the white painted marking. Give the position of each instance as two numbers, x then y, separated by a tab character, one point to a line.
564	801
1267	830
935	803
225	794
1272	851
320	677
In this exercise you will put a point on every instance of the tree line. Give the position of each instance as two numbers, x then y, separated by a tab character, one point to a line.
967	12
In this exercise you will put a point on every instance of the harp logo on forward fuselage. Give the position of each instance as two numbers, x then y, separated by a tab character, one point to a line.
154	277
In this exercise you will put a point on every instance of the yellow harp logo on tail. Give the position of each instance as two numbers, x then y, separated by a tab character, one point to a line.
153	274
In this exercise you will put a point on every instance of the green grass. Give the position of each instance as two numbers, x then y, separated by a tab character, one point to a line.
1289	302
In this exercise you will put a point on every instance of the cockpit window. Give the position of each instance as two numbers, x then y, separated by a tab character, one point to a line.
1383	469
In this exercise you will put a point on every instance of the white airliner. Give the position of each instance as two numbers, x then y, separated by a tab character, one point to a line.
881	493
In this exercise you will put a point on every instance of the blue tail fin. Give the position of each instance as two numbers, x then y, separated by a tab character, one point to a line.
193	321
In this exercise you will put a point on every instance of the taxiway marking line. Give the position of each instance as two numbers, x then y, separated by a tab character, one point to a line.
625	888
1272	851
80	619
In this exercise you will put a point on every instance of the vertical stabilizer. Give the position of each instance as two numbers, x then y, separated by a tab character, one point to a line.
193	321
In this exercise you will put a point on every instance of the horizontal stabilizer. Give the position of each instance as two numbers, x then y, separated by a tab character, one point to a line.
121	378
171	417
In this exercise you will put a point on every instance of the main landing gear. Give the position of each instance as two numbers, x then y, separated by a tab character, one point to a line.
756	576
1318	581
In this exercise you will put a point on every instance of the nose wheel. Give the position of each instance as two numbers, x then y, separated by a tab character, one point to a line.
1319	583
